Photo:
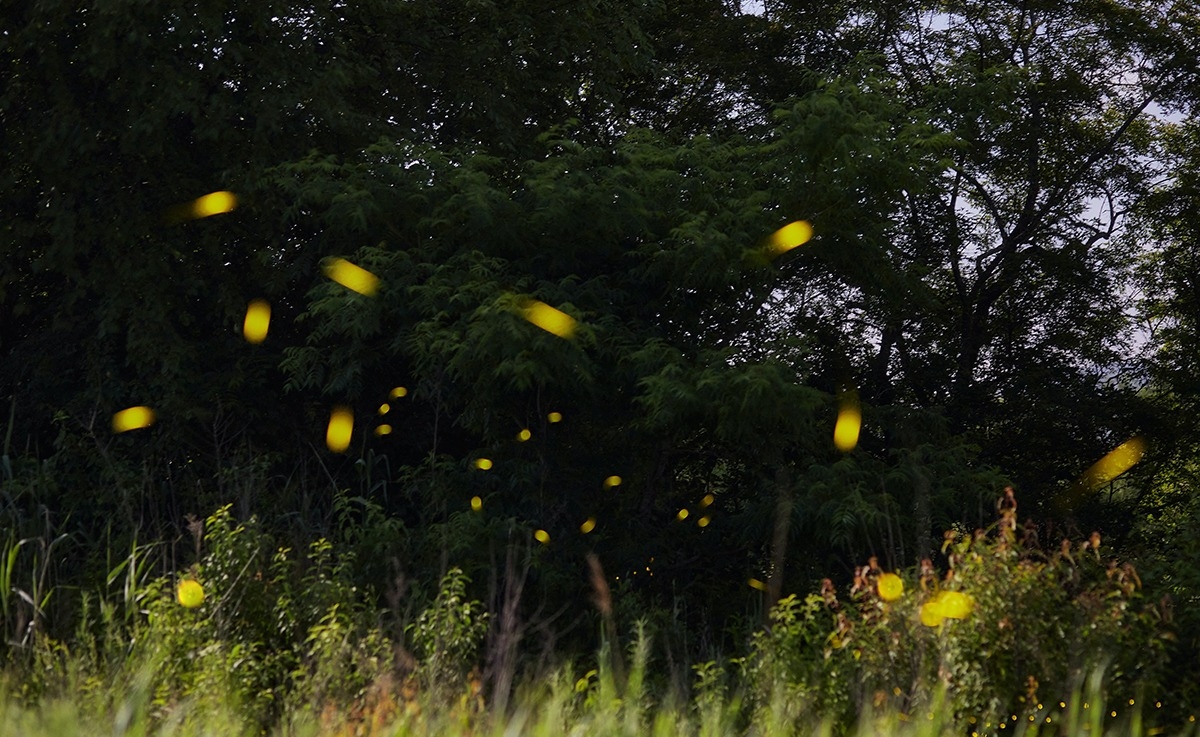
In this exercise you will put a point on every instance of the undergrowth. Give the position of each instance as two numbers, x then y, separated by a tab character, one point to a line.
254	638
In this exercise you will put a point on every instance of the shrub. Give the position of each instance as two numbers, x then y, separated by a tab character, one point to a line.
1007	630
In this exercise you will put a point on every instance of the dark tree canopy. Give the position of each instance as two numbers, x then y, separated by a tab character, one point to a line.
1002	264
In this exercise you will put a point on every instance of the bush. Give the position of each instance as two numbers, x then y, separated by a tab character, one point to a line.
1008	630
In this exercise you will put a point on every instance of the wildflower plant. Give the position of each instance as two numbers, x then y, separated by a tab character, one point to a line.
1006	629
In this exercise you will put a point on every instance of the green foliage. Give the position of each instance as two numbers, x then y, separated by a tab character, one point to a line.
448	634
1039	625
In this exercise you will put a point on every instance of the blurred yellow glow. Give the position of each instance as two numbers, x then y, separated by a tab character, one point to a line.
756	584
258	318
931	613
483	464
476	503
1116	462
524	435
133	418
549	319
956	604
383	430
703	521
890	587
341	426
385	408
352	277
708	499
398	392
682	515
849	422
612	481
189	593
588	525
214	203
790	236
554	417
542	536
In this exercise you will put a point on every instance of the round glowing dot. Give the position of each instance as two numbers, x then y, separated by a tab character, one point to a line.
258	319
542	536
476	503
383	430
931	614
554	417
682	515
385	408
1131	702
1157	704
588	525
189	593
1112	713
341	426
483	464
524	435
398	392
612	481
890	587
1047	720
756	584
213	204
707	500
1062	704
956	604
352	277
703	521
896	691
133	418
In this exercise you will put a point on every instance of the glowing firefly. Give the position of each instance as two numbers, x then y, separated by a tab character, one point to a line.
524	435
398	392
352	277
588	525
383	430
554	417
550	319
849	422
612	481
890	587
1116	462
542	536
682	515
133	418
788	237
189	593
258	318
756	584
483	464
476	503
341	426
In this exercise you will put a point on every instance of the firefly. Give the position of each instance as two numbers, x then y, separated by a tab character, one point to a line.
792	235
483	464
612	481
550	319
133	418
258	318
542	536
849	422
341	426
352	277
588	525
